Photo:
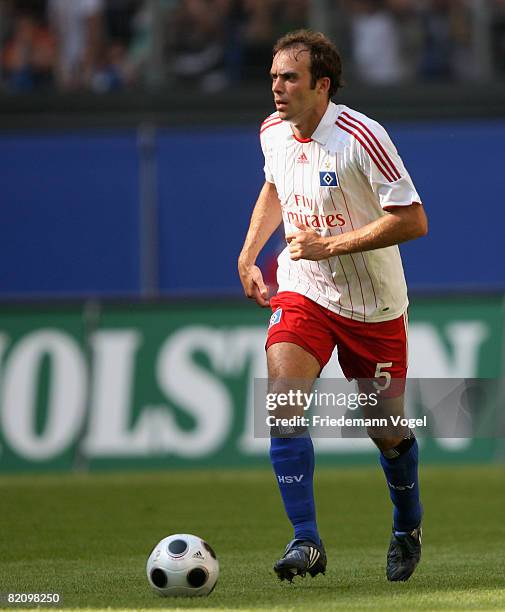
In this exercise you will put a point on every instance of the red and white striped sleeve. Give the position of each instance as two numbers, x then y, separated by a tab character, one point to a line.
268	123
379	161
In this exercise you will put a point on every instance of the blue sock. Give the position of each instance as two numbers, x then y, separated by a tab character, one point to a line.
403	483
293	463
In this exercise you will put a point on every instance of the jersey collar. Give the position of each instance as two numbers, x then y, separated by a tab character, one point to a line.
323	130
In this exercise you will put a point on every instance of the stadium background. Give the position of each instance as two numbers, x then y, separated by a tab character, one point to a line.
127	187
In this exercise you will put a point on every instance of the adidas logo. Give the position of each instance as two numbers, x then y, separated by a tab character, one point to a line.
198	555
302	159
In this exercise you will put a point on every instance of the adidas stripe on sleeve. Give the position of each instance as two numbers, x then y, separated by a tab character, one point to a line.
379	161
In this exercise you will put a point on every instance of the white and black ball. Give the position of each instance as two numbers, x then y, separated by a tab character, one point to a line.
182	565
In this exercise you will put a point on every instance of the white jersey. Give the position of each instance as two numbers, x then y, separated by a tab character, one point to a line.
341	179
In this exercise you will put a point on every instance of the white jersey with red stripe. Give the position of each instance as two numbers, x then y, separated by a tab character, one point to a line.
345	176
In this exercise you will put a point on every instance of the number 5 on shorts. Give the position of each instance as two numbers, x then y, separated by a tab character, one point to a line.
380	372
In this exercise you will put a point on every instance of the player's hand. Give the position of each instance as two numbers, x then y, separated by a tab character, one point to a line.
254	286
307	244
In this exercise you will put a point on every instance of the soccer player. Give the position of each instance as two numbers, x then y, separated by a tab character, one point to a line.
335	179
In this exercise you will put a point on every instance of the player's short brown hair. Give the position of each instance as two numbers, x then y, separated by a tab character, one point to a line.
324	58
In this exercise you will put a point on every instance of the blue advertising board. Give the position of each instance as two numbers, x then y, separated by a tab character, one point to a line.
72	208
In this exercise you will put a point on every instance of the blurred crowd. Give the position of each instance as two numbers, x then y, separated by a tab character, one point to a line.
107	45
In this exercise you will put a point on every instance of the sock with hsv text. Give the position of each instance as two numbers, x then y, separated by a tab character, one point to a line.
400	467
293	463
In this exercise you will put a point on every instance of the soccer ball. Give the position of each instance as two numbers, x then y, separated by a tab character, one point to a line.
182	565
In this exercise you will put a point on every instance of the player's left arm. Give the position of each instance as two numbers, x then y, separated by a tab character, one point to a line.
402	223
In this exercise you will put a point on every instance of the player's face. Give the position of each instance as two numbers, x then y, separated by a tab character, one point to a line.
291	84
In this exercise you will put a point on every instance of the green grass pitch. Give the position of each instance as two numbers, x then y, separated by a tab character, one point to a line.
87	537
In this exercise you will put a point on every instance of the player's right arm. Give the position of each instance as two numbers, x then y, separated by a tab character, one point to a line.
265	219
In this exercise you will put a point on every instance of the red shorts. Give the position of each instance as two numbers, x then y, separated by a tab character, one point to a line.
365	350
